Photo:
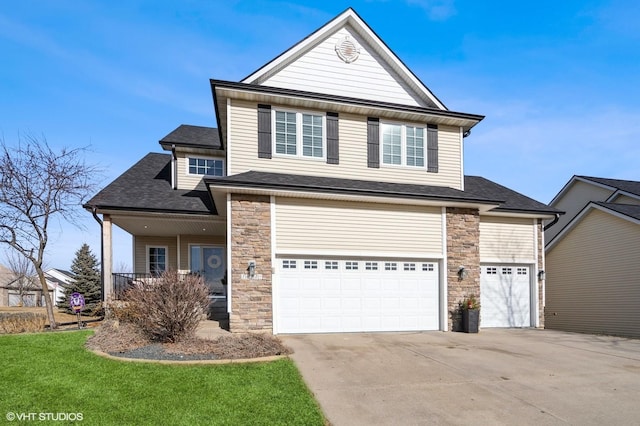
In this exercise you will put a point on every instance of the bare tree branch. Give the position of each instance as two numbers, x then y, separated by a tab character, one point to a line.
37	184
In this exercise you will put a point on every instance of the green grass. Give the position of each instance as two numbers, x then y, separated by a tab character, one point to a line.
53	373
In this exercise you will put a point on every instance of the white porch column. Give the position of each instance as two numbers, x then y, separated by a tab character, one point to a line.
107	253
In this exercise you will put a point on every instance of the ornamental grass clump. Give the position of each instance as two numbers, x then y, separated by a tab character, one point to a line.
168	307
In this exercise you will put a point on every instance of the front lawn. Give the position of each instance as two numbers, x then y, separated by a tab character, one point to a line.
54	373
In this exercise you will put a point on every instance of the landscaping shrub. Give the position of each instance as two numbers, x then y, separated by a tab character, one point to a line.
168	307
21	322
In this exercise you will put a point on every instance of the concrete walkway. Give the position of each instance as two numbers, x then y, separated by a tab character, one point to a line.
536	377
209	329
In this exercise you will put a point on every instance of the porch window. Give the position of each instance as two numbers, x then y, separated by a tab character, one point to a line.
157	258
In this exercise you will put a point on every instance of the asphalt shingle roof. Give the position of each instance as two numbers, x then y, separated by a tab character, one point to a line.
630	186
631	210
146	186
193	137
512	201
477	189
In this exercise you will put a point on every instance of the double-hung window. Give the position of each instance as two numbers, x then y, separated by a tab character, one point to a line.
157	259
403	145
299	134
205	166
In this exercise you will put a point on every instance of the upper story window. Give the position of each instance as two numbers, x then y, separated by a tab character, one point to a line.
299	134
206	166
403	145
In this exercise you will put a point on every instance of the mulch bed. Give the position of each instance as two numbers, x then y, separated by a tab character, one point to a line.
125	340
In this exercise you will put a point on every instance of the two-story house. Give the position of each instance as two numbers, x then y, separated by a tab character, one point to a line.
332	198
593	258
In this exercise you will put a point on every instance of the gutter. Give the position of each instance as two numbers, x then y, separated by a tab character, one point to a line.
174	167
95	216
553	222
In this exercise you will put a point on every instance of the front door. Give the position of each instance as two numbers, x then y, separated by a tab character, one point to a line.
208	261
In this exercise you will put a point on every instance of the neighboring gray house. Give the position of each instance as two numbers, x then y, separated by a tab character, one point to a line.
593	258
331	198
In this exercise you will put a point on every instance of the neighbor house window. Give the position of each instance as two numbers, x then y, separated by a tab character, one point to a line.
403	145
299	134
206	167
157	258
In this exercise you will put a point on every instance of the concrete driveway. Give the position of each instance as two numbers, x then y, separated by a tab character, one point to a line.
523	376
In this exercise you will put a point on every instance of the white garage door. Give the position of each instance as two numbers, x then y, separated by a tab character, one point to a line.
505	296
337	295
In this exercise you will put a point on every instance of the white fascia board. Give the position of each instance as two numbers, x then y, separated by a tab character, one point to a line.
543	216
619	193
482	207
576	220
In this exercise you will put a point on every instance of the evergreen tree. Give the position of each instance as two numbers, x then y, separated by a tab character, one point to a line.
86	273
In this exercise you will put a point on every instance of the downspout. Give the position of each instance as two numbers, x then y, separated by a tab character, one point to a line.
174	167
553	222
95	216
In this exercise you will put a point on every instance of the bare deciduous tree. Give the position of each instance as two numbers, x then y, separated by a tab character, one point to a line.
38	184
23	275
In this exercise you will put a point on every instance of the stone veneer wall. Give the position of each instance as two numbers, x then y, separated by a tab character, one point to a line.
251	299
463	249
541	267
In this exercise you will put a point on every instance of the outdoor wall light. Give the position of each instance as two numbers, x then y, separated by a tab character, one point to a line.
462	273
541	275
252	268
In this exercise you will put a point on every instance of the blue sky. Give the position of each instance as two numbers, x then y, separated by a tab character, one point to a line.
558	81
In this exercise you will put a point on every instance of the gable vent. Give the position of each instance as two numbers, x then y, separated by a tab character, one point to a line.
347	50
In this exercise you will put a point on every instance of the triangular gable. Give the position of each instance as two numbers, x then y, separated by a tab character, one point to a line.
346	58
619	211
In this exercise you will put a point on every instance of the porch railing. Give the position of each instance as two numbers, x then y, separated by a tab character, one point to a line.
122	281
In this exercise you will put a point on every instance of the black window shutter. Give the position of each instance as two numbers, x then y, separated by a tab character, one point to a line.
373	142
332	138
432	148
264	131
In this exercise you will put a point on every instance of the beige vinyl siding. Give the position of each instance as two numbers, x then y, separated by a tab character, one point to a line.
320	70
202	240
186	180
360	228
625	199
592	281
573	201
353	153
507	239
141	244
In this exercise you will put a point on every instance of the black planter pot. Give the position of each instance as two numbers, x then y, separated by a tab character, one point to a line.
470	320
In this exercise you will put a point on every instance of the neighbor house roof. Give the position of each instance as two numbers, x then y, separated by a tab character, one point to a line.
630	210
192	137
480	191
630	186
146	186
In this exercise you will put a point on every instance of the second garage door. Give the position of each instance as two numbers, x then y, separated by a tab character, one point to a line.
505	296
339	295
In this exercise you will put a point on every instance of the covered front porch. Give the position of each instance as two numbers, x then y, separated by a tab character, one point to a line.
186	243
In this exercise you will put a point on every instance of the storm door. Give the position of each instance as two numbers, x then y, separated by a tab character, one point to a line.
208	261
